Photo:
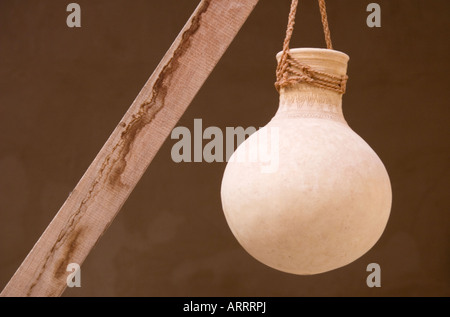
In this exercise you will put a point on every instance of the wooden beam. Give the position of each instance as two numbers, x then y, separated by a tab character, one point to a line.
109	180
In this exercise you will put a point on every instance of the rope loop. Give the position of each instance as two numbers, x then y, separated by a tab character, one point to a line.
291	71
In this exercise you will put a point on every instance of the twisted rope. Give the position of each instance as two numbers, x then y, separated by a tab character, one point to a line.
290	71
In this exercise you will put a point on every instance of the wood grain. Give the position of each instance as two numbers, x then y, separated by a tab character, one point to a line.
109	180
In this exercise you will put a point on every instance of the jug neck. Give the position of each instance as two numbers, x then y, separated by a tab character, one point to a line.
304	100
307	100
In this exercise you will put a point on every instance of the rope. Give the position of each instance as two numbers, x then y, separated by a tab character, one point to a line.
291	71
326	28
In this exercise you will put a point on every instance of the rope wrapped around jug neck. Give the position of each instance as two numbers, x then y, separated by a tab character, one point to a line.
291	71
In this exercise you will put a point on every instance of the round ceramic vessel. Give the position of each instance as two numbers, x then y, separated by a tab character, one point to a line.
317	197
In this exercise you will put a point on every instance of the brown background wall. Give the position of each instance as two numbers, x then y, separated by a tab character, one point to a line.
62	91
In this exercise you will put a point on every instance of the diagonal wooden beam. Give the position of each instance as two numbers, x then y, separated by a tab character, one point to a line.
109	180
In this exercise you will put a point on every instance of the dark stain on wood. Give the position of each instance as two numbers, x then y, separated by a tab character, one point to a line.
149	109
65	235
70	246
